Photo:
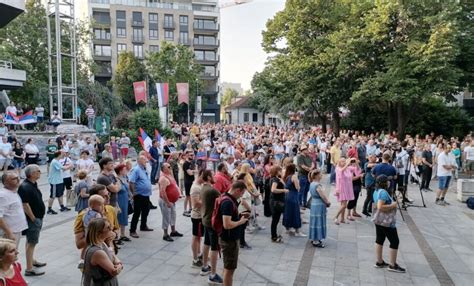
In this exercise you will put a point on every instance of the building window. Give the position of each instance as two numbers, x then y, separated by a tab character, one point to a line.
153	18
205	55
205	40
205	24
138	51
183	20
137	34
102	34
102	50
121	24
154	48
101	17
183	38
209	71
121	32
121	48
169	35
137	18
254	117
246	117
169	21
153	34
199	55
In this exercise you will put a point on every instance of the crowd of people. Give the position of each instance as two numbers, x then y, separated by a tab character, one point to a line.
228	177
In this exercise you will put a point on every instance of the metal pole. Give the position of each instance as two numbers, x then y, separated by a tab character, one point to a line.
58	60
50	74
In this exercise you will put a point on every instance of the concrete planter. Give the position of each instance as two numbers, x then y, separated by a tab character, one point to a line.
465	188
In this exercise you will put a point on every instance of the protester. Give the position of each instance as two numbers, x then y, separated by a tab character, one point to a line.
123	199
12	216
319	203
6	152
344	191
10	269
108	179
277	201
369	185
189	169
292	216
19	156
124	144
222	179
101	266
32	152
304	165
169	194
154	161
427	168
196	219
385	225
446	166
140	187
357	176
56	182
82	191
34	209
90	113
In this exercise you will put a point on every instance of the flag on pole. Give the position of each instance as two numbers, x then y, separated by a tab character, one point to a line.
159	138
162	91
183	92
145	140
139	89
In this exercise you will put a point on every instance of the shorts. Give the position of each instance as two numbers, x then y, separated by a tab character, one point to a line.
33	231
230	253
17	164
443	182
67	183
56	191
198	228
5	163
470	165
211	239
382	232
187	188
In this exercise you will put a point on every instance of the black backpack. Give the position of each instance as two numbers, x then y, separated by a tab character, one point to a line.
470	203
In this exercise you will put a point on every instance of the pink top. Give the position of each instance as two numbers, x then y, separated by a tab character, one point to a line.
344	183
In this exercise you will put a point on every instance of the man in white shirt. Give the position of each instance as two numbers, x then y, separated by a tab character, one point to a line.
90	112
11	109
469	157
5	154
12	216
39	111
446	166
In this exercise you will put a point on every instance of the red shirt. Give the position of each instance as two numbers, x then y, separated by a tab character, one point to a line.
172	190
222	182
17	279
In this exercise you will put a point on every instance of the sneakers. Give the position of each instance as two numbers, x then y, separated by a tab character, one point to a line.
300	234
187	213
51	212
197	263
215	279
176	234
396	268
64	209
34	272
380	265
167	238
205	270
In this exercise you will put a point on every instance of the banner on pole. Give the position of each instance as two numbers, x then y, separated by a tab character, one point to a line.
139	89
162	90
183	92
102	125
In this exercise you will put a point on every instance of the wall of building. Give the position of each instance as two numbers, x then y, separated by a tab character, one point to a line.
246	115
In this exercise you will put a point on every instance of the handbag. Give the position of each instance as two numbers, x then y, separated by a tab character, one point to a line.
386	219
71	198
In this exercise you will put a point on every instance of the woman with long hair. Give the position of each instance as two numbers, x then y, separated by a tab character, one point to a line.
385	225
10	269
122	199
292	215
267	166
277	201
344	190
319	203
101	266
19	156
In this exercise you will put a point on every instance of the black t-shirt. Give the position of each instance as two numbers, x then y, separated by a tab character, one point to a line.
168	149
18	152
106	180
188	166
428	156
280	197
229	208
29	193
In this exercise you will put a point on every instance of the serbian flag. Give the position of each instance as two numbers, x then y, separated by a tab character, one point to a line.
145	140
139	89
162	91
183	92
26	118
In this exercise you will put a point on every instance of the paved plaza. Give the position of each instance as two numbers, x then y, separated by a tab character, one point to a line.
436	247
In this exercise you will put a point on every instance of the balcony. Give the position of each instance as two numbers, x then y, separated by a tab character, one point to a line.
208	61
104	71
138	39
206	28
11	78
209	76
139	24
102	41
206	45
168	25
9	10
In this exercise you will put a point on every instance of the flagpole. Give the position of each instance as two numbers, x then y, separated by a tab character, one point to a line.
147	92
188	112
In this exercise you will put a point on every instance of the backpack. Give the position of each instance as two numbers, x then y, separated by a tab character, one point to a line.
470	203
216	219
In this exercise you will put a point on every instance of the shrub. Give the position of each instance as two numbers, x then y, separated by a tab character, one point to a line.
122	120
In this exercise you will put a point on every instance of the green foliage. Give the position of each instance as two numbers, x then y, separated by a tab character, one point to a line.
122	120
100	97
174	64
229	95
149	120
128	70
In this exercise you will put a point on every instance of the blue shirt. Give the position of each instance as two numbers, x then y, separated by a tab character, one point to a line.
382	195
55	173
155	153
142	182
387	170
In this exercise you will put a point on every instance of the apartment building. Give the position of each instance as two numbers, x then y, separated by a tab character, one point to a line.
141	25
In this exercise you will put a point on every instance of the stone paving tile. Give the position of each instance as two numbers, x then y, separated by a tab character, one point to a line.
347	260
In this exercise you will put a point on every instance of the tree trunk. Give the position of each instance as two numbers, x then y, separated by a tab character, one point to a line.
336	120
324	122
403	116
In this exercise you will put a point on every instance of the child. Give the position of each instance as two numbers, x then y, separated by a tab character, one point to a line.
319	203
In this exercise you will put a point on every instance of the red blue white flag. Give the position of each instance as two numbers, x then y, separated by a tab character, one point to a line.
162	90
145	140
26	118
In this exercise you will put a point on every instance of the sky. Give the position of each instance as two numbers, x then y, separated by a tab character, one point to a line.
241	37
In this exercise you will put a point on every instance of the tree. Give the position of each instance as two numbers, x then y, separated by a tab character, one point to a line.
175	64
128	70
100	97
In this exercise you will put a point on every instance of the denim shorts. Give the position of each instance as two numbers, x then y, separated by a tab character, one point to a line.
443	182
33	231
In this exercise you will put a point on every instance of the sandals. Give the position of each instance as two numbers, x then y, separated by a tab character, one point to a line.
319	244
278	239
336	221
